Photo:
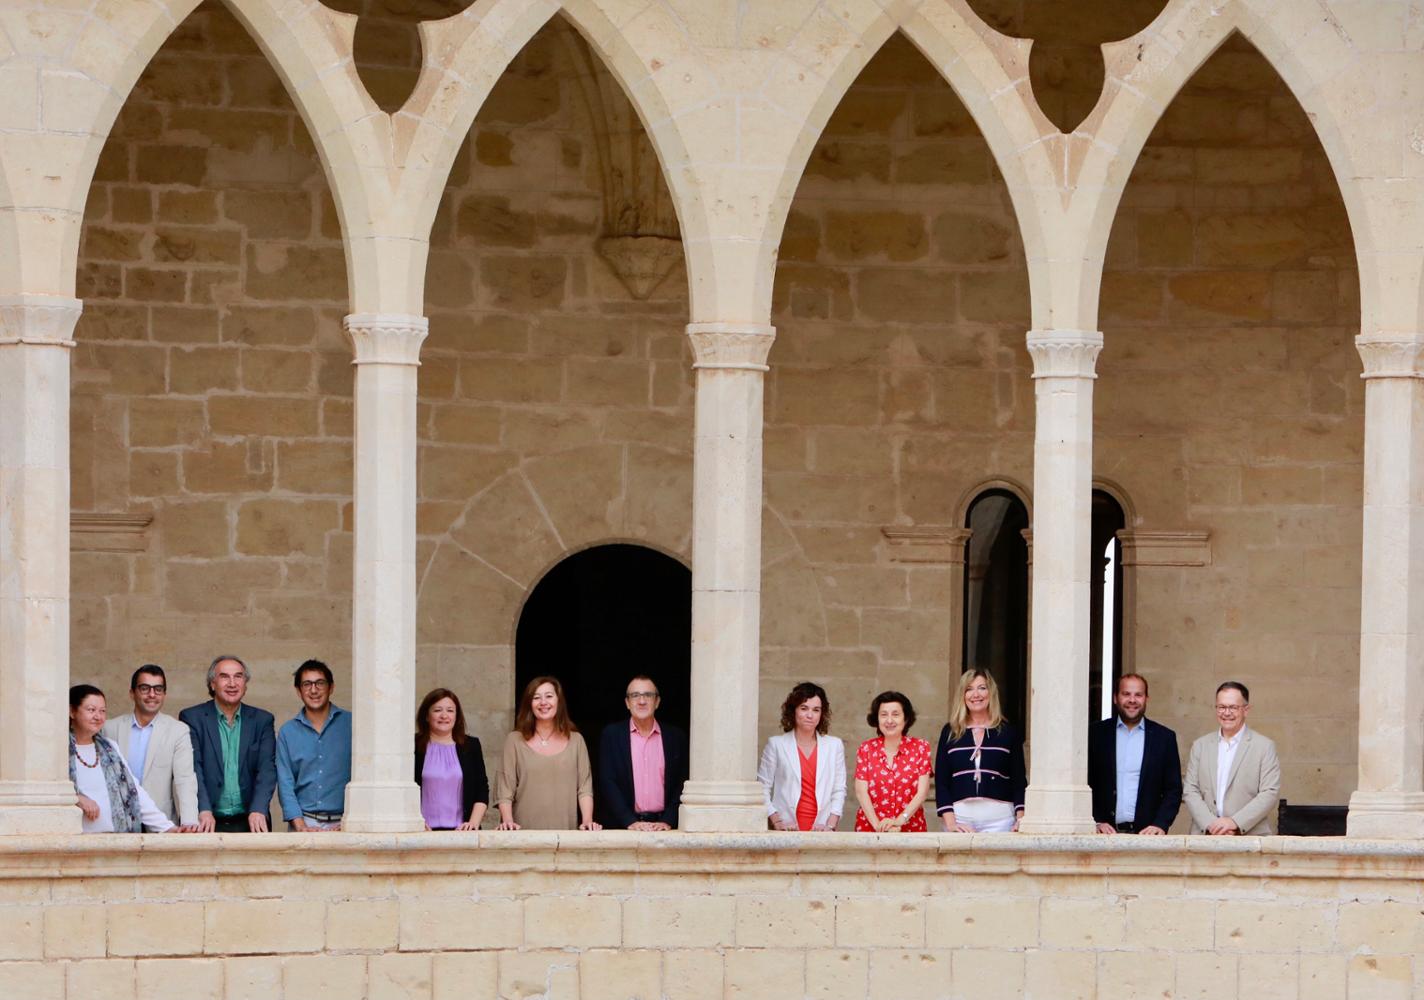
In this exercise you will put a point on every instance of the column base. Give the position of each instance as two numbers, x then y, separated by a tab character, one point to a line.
377	807
29	807
1058	809
1386	815
722	807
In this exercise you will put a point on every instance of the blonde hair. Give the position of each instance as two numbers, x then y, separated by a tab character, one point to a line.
959	714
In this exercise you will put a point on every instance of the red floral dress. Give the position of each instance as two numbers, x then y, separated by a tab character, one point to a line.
892	786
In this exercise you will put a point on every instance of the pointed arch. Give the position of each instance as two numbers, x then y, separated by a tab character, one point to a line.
1148	71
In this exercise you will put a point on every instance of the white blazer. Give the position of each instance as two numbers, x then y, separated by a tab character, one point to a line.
780	775
168	766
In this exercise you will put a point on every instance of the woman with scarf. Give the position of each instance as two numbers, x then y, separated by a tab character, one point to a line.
112	801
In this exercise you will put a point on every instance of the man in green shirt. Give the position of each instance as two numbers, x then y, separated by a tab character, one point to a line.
234	754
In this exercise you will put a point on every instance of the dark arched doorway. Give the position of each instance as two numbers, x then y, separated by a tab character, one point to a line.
601	616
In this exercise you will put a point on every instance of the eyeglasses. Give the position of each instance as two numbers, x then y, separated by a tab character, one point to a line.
642	695
1230	709
151	688
316	685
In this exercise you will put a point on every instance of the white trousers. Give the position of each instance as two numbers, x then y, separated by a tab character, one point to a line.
985	815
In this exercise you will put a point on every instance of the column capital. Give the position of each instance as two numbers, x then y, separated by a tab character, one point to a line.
386	338
1390	355
742	346
39	319
1064	353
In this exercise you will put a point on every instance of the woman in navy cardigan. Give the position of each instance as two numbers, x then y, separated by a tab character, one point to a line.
979	766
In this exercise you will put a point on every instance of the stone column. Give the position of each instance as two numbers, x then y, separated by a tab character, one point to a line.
1390	799
382	797
722	793
36	795
1059	800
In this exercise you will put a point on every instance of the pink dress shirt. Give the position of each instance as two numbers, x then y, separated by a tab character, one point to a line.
648	767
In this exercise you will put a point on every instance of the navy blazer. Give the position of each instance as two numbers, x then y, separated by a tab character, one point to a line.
615	775
1159	788
256	751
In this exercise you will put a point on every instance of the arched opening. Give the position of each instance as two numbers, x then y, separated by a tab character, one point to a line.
996	591
1105	631
599	617
898	377
1229	402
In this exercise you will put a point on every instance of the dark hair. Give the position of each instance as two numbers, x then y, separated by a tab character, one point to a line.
309	665
147	668
872	717
885	698
644	677
422	717
79	692
524	718
1131	677
799	695
1235	686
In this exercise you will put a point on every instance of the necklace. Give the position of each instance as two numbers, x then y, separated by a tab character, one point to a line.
81	759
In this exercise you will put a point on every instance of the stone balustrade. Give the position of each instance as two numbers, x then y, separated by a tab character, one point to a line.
687	916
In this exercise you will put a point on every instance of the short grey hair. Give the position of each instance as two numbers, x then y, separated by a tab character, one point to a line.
213	669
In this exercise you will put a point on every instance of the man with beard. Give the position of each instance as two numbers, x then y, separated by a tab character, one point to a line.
1133	766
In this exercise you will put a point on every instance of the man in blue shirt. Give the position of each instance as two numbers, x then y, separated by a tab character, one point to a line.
1133	766
314	754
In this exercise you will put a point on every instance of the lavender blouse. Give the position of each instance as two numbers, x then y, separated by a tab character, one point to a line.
441	787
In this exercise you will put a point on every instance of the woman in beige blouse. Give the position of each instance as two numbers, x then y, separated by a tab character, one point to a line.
544	780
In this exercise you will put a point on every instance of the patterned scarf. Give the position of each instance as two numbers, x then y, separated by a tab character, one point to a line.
124	807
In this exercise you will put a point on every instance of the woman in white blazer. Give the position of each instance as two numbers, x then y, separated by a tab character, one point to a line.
802	771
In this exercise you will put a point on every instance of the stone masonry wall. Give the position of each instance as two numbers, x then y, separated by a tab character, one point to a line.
212	390
678	919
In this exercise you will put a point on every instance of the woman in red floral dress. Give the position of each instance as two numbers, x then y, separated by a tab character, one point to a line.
892	771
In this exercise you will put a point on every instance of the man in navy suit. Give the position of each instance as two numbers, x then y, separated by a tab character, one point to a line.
1133	766
642	765
234	754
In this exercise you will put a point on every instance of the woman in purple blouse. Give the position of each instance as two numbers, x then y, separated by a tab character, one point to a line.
449	768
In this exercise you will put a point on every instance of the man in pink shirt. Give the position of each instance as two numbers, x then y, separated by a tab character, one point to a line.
642	765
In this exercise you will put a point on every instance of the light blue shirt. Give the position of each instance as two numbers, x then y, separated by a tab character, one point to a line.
138	746
1130	744
314	768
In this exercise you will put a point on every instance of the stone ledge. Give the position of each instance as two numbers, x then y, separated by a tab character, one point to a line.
130	855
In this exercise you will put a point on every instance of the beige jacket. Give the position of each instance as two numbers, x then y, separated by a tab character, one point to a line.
1252	788
167	767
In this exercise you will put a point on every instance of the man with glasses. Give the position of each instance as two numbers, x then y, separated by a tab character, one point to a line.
314	754
158	748
1233	775
642	765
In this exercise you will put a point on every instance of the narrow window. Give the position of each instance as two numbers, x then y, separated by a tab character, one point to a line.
1105	633
996	596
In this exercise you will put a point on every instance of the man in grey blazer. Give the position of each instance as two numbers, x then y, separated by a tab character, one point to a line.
158	748
1233	775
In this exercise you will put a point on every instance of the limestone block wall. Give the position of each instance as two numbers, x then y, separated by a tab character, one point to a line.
212	390
596	917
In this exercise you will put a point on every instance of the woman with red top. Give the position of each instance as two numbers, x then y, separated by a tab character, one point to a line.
802	771
892	771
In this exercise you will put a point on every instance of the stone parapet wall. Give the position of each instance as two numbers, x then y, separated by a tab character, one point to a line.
687	916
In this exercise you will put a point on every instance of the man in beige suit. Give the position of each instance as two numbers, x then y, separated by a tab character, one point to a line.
158	748
1233	775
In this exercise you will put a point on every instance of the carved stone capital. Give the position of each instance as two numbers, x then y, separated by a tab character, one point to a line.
385	339
1390	356
731	345
1064	353
39	319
